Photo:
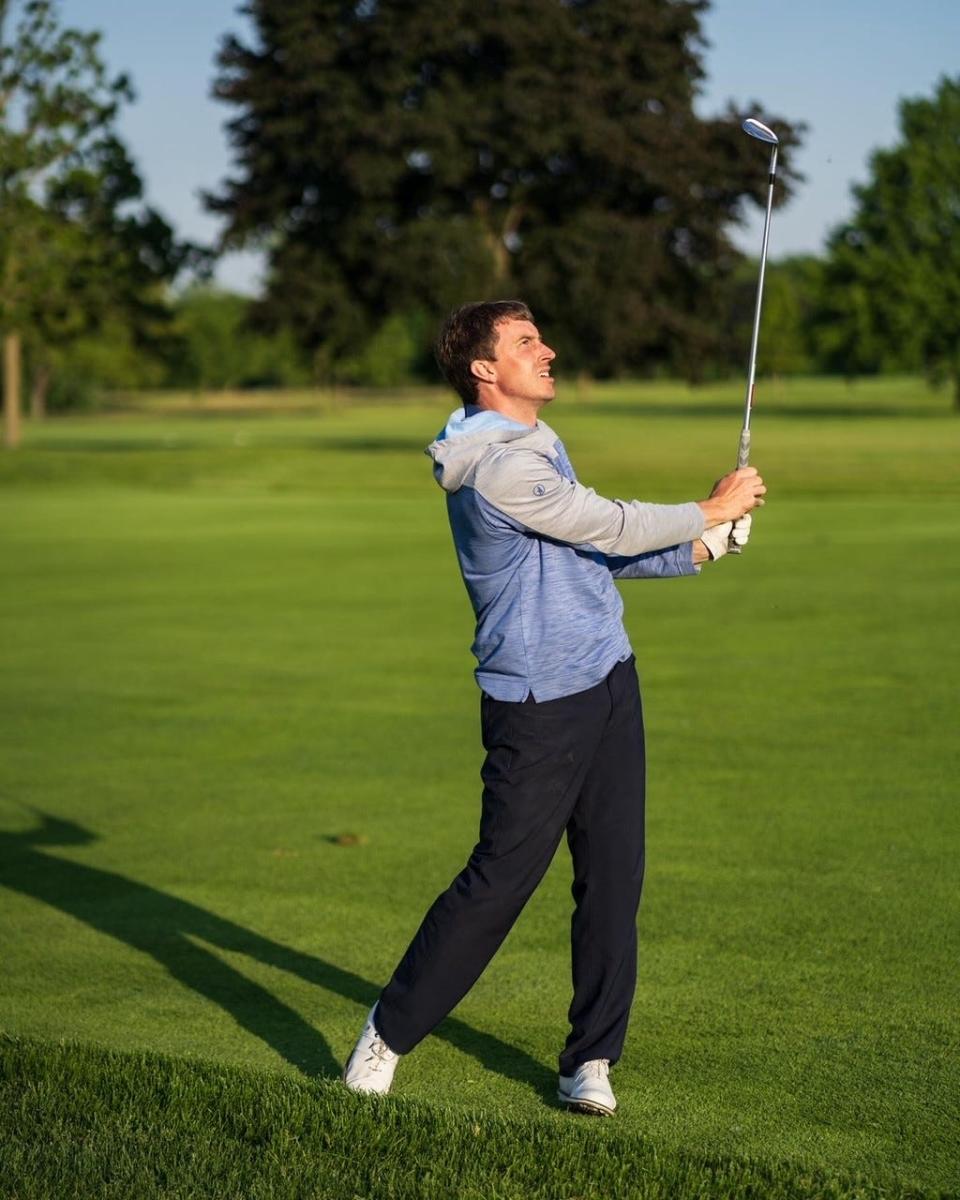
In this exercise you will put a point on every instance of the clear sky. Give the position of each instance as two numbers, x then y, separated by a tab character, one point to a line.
839	65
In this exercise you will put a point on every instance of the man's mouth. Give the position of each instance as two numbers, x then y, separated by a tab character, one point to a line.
545	375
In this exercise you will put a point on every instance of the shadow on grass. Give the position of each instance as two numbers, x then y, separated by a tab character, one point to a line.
168	929
792	410
370	445
173	445
69	444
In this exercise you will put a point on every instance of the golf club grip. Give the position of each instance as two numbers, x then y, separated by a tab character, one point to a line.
743	460
743	454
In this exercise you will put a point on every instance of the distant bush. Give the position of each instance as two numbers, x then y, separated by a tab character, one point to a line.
397	354
217	346
75	375
71	391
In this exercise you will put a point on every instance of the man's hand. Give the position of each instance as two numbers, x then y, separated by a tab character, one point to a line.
717	540
733	496
741	530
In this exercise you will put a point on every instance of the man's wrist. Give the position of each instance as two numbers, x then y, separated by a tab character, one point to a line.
713	513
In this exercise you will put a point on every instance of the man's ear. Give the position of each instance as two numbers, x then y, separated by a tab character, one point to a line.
483	369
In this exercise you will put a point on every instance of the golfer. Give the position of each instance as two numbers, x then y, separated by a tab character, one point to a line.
560	709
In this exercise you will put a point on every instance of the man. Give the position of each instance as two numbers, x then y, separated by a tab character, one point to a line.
560	710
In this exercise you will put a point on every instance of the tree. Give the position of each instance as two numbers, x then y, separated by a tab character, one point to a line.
73	253
892	286
400	156
792	294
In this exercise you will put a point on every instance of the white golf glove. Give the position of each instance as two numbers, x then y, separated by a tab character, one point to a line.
741	530
717	539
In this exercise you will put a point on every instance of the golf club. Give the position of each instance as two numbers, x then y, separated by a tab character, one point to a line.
761	132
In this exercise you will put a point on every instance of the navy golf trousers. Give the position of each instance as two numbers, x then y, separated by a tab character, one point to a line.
577	765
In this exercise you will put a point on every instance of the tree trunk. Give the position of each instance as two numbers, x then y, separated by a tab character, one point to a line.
11	390
39	386
498	240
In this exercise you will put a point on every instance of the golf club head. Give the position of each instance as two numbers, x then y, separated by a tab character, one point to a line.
761	132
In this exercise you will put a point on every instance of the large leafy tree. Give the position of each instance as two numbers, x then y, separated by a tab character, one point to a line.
114	261
75	251
405	155
891	298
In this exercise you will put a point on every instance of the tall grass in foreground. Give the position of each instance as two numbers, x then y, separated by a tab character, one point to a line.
82	1122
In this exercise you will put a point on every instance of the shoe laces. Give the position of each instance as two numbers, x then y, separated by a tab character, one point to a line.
380	1053
597	1066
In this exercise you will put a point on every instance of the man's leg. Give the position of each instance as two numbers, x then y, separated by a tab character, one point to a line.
606	838
538	756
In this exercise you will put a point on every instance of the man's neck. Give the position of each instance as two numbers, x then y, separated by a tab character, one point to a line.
522	411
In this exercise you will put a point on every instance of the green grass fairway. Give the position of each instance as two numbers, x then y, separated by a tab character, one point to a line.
230	638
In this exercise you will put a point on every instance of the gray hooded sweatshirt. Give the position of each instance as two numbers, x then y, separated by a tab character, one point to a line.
538	552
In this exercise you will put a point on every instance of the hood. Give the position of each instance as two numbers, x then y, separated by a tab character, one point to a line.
465	437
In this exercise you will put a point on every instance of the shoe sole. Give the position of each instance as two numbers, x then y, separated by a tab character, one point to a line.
589	1108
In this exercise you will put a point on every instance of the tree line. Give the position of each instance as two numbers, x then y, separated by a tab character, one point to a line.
394	157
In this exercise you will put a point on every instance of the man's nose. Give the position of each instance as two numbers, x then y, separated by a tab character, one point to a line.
548	354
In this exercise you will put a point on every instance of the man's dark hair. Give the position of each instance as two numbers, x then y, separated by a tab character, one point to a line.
469	333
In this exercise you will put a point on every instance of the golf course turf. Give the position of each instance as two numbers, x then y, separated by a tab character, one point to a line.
240	757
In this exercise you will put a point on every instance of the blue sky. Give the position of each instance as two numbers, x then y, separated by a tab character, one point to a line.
841	66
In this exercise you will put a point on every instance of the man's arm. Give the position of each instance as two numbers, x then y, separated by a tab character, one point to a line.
526	485
659	564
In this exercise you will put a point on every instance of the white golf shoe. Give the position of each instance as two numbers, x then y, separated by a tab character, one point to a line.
588	1089
371	1066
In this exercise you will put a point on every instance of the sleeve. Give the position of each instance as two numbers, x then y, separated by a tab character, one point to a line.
526	485
660	564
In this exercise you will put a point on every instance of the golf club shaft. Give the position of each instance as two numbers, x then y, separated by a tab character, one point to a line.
743	453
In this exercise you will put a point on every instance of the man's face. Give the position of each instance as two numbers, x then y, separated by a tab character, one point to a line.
522	363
